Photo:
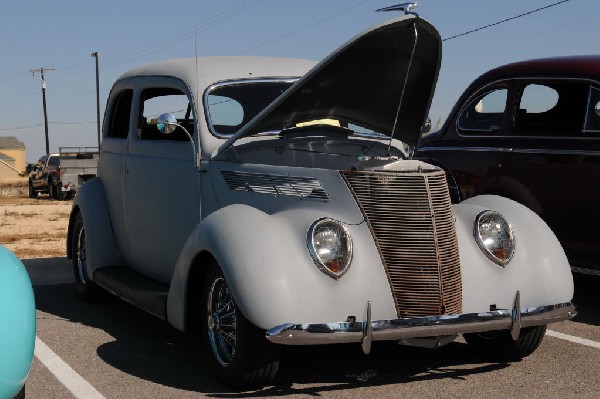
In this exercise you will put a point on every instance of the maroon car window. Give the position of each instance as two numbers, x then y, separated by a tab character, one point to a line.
551	108
592	120
484	113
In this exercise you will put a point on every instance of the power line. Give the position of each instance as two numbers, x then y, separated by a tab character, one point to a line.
303	28
506	20
42	124
172	39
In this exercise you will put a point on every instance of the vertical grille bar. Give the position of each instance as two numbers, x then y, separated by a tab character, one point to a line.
412	221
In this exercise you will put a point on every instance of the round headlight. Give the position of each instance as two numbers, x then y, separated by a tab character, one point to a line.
495	237
330	246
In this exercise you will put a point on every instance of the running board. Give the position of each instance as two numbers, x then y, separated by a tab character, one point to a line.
129	285
585	270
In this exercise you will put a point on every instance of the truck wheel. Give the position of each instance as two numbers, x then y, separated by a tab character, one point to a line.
88	291
53	193
238	352
32	192
500	345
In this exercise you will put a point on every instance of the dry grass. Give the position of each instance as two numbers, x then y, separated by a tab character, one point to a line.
32	227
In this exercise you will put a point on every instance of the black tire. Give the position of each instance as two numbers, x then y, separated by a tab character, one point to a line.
21	394
238	352
53	191
87	289
32	192
501	346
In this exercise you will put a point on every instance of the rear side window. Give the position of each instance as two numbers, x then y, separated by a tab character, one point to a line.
485	113
120	114
551	108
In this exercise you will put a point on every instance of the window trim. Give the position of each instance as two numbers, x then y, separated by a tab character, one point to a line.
520	79
233	82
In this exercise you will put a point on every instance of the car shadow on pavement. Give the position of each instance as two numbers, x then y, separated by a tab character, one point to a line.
587	299
152	350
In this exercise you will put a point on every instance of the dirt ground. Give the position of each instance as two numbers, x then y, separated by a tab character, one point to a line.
32	227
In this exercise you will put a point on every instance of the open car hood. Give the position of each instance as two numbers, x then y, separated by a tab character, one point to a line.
362	83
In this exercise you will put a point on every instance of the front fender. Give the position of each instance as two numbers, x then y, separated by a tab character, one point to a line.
272	277
17	324
101	248
539	268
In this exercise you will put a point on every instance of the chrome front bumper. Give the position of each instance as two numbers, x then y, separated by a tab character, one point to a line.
432	326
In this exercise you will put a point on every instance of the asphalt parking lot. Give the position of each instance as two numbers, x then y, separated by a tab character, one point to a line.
110	349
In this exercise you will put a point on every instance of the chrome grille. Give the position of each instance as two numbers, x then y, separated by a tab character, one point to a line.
295	186
412	222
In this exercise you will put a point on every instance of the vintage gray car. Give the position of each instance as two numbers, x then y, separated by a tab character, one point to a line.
270	202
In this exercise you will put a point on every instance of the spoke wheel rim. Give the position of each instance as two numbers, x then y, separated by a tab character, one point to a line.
81	256
221	323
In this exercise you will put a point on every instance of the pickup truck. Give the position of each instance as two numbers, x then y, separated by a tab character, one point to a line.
59	175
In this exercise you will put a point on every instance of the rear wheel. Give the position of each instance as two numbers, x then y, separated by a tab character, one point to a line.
238	352
500	345
32	192
88	291
54	191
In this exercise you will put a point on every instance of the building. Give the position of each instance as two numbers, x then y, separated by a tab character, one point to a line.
12	157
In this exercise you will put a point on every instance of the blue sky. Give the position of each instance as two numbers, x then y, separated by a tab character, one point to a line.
62	34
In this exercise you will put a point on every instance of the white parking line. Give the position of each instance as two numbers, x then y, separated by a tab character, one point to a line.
572	338
75	383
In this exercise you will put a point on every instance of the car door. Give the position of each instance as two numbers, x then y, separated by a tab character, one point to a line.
470	144
554	163
161	182
118	127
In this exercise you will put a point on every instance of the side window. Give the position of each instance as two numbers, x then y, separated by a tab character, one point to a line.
592	120
157	101
54	161
551	108
119	116
484	113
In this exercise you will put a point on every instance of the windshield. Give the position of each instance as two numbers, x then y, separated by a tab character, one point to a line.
229	106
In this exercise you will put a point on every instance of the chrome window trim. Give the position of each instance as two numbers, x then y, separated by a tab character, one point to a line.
216	85
532	79
587	111
472	99
513	150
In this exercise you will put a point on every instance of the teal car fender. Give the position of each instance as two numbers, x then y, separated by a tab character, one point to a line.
17	324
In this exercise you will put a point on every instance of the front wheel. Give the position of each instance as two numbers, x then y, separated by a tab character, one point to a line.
88	291
500	345
238	352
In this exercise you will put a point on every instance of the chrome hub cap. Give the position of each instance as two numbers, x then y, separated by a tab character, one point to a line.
81	258
221	322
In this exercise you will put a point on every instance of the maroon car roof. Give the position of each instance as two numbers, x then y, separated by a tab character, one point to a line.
570	65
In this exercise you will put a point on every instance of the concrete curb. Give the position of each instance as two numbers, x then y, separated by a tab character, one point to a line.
49	271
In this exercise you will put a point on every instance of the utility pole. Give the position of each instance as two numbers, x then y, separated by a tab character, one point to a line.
96	55
43	80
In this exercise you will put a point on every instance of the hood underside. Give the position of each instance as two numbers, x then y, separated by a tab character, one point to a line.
362	83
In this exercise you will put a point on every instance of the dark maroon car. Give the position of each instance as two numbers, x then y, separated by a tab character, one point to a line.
530	131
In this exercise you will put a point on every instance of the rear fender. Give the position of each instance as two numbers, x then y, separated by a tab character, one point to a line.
101	247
